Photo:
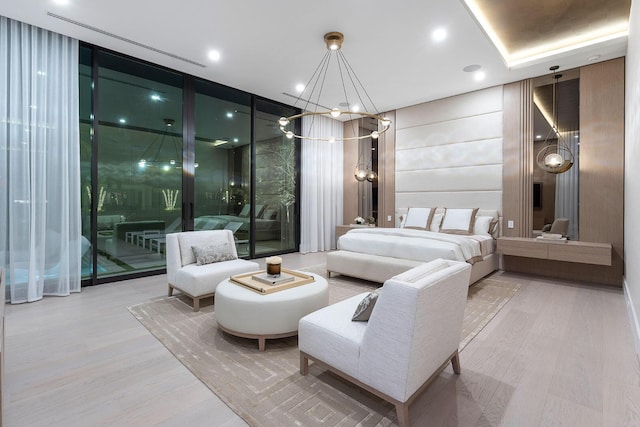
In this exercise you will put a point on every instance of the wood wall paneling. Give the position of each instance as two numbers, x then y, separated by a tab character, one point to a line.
602	158
518	159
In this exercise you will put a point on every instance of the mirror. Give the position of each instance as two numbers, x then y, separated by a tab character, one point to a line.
368	156
556	195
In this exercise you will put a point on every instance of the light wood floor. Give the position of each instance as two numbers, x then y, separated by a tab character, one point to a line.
558	353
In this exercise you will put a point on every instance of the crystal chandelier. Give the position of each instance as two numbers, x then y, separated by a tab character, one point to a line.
313	94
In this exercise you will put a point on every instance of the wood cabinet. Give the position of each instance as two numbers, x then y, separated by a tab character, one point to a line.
571	251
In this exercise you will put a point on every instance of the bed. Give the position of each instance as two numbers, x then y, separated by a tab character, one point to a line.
424	234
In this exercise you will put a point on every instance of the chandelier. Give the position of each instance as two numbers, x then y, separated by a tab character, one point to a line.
170	158
554	156
313	91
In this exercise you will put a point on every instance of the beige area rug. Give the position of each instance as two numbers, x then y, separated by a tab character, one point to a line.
266	388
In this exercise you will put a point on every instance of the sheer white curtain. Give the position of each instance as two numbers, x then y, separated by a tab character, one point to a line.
567	189
321	176
40	243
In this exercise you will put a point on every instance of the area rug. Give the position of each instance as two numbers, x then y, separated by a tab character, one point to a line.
266	388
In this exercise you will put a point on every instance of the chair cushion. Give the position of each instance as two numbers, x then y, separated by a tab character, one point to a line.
329	335
200	280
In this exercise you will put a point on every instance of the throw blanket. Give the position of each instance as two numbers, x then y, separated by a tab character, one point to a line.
417	245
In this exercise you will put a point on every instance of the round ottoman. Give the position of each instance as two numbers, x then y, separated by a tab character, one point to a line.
248	314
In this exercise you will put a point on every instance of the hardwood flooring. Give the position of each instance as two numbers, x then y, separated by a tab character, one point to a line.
559	353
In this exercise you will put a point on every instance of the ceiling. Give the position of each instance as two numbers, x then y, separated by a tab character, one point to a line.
266	48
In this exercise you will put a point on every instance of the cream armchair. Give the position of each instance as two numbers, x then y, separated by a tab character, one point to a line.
200	281
412	334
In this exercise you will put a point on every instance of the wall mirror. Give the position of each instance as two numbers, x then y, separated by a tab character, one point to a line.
368	158
556	195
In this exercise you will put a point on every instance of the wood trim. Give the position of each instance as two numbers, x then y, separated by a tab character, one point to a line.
402	408
517	154
260	337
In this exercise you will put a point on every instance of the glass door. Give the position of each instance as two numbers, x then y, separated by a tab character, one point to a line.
222	172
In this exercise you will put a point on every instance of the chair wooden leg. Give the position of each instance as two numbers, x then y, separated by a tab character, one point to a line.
328	274
196	304
304	365
170	290
402	411
455	362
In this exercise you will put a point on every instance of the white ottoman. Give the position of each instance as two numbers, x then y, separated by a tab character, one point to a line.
248	314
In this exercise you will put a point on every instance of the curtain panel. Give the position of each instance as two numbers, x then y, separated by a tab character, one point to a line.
40	243
321	181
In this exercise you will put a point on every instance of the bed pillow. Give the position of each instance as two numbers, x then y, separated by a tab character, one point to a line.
482	225
365	308
215	252
418	218
459	221
436	221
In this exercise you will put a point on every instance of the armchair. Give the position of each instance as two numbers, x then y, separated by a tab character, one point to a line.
200	281
412	334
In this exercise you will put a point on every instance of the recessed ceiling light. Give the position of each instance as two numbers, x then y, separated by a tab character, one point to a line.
155	97
479	76
235	139
299	88
230	115
538	136
471	68
439	34
214	55
355	108
61	2
123	121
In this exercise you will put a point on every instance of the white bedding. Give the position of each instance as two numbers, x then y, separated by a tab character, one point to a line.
417	245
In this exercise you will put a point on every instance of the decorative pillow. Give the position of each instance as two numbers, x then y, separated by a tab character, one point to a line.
459	221
216	252
436	221
494	228
483	225
418	218
365	308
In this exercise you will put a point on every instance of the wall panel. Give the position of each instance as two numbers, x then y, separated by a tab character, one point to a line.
449	152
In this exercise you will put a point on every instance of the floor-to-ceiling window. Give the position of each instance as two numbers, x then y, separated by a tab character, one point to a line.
163	152
139	186
222	180
276	169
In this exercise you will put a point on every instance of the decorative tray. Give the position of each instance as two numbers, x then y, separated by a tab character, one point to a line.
246	280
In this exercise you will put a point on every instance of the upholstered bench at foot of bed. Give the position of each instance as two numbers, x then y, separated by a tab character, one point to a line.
369	267
379	268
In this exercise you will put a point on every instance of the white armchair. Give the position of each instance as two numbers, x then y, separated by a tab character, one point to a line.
412	334
200	281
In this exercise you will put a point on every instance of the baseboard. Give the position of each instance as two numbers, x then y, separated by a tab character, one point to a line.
633	317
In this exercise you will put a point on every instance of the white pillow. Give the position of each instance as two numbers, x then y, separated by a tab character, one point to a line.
459	221
418	217
483	225
436	221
